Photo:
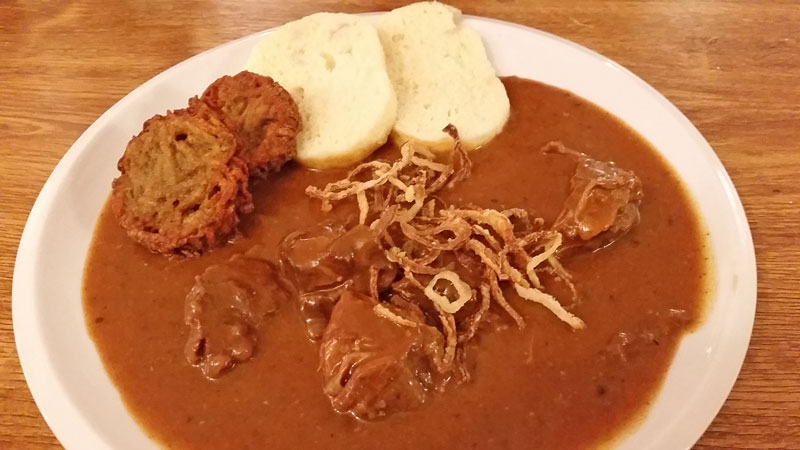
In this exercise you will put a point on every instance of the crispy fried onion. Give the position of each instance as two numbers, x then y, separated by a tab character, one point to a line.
451	339
549	250
550	303
472	322
387	314
462	259
407	181
465	292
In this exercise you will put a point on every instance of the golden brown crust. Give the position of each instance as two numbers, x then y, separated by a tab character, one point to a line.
262	113
182	184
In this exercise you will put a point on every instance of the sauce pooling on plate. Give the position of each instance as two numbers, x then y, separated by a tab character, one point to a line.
541	386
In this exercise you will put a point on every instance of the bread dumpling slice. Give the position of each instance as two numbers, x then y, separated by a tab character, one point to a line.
334	67
442	75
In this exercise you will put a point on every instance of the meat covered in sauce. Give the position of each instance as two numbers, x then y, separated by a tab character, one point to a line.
377	359
227	304
603	202
327	260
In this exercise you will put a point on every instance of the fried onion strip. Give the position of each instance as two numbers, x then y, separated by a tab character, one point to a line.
474	321
487	235
398	256
423	162
489	258
387	314
339	191
498	296
374	272
495	219
550	303
425	237
451	339
382	223
363	207
549	250
465	293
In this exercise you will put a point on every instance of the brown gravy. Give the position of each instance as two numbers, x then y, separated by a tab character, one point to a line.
542	387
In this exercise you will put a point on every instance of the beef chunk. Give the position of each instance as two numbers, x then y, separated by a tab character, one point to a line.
378	360
603	203
328	260
225	308
306	256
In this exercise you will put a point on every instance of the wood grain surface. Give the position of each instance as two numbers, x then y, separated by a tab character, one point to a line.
733	67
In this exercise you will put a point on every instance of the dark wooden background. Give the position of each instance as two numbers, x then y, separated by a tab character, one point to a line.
733	67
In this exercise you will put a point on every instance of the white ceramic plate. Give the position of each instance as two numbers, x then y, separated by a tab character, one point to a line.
85	411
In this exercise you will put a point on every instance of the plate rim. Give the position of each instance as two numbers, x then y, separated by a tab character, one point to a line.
26	340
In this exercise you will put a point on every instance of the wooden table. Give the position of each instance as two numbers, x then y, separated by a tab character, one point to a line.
733	67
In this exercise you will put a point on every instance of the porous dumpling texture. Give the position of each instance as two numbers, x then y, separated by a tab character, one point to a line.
442	75
333	66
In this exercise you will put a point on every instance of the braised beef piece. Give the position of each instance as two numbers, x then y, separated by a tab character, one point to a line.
225	308
374	365
328	260
305	255
603	203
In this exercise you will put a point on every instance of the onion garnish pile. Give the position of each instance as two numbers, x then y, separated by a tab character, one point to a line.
456	256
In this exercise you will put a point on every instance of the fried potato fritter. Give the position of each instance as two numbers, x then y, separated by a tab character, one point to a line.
263	115
182	183
184	177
